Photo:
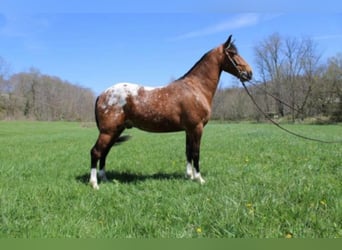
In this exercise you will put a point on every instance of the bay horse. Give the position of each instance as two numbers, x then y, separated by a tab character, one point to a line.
182	105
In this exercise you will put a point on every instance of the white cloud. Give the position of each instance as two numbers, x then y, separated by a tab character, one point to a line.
237	22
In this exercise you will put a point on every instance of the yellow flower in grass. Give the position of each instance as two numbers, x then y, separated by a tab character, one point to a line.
250	208
249	205
199	230
289	235
323	203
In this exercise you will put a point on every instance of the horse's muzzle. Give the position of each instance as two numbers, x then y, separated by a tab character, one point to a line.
246	76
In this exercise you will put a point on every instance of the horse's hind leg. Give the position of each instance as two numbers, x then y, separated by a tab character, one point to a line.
102	172
99	152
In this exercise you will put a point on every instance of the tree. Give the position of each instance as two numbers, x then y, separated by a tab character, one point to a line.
269	60
287	67
298	70
333	88
4	86
290	70
36	96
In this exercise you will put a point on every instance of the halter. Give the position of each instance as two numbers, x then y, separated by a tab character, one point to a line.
242	75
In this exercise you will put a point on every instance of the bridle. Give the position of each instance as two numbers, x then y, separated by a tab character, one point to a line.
241	74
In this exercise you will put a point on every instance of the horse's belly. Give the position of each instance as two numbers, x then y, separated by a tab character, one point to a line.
159	128
155	123
154	111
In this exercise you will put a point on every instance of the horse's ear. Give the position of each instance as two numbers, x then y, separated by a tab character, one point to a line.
228	42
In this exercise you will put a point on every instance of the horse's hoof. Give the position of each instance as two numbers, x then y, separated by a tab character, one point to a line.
94	185
104	180
201	181
189	176
198	177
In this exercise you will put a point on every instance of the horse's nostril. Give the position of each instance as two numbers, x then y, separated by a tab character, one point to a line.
246	76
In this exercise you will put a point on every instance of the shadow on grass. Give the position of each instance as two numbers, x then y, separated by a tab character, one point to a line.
124	177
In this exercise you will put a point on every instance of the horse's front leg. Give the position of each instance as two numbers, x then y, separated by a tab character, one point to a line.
189	173
196	157
194	140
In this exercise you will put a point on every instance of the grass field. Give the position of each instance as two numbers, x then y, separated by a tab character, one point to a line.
260	183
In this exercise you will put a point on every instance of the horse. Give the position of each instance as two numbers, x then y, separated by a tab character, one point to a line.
182	105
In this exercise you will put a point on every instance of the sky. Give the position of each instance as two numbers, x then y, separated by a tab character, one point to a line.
96	44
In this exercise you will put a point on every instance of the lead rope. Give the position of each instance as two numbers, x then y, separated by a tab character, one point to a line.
278	125
274	97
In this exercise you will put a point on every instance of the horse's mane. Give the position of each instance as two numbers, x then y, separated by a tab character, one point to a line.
195	65
231	47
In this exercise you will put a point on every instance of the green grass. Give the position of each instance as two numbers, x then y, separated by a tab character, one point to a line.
260	183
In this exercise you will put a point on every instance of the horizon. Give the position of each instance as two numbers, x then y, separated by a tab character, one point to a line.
98	49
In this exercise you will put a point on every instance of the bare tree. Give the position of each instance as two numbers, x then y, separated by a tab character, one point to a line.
287	67
269	61
42	97
298	69
4	86
332	80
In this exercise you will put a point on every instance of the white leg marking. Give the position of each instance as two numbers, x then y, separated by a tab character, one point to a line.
93	178
189	171
102	175
198	177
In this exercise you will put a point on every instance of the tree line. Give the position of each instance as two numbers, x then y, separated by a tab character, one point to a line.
35	96
294	84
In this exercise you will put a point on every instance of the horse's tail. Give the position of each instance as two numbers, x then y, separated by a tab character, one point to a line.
96	116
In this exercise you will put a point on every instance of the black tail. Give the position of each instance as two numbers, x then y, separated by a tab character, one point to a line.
96	118
122	139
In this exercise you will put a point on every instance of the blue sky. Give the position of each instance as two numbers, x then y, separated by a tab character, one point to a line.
98	43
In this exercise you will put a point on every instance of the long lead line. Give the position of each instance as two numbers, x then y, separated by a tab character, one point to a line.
281	127
275	97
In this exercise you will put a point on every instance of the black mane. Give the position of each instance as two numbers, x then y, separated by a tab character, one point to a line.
232	48
194	65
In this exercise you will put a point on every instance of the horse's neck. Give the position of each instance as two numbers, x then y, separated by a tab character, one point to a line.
205	74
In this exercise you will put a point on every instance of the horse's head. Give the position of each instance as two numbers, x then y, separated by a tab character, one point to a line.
234	63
